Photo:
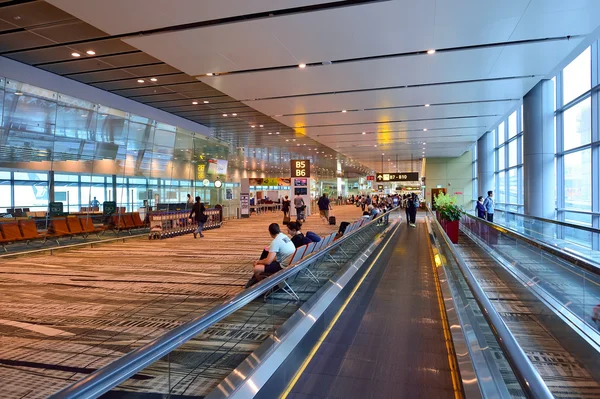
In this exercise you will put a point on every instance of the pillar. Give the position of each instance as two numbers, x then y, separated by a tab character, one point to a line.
539	180
485	164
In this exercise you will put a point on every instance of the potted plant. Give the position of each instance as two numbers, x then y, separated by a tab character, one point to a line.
449	214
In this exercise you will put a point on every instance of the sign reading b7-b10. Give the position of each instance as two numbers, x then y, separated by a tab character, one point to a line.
402	176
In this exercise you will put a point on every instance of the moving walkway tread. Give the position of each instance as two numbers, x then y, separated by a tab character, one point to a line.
389	340
565	375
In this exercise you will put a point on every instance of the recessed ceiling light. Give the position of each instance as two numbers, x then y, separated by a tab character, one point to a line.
287	139
427	105
276	132
293	139
344	111
298	144
209	74
76	54
375	146
234	114
195	102
90	52
270	133
140	81
205	102
303	144
253	126
424	143
261	125
153	80
302	66
18	93
364	132
424	130
224	114
432	51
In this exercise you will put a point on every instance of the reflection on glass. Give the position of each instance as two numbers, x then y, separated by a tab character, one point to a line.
578	124
577	77
578	180
512	125
501	134
512	153
501	187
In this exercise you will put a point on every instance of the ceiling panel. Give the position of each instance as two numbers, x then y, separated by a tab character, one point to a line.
475	91
412	70
138	15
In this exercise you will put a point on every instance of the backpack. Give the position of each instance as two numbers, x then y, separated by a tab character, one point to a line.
313	237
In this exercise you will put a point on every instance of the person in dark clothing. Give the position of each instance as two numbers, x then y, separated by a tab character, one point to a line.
285	206
480	208
296	235
324	207
412	210
199	216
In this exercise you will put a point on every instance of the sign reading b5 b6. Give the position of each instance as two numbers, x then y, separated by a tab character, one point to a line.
300	167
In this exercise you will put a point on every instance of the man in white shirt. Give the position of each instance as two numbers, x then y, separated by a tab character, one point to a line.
279	255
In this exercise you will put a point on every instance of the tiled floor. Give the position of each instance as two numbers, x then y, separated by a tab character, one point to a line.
64	316
388	342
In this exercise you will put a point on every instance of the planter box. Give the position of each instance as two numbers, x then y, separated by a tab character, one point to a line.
451	229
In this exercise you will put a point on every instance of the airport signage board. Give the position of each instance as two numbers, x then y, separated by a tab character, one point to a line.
245	205
370	178
300	167
401	176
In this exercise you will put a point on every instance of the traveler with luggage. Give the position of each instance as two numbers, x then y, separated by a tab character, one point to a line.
285	208
199	216
324	206
413	204
300	206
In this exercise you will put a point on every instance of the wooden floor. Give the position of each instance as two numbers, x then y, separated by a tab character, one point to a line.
64	316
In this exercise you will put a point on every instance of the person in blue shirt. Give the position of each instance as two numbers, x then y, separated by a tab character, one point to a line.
480	208
95	203
488	205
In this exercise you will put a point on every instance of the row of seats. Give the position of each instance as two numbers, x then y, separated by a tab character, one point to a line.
25	230
313	248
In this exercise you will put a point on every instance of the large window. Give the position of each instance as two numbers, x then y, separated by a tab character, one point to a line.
577	142
509	162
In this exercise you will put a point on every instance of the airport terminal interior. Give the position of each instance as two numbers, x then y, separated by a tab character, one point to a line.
299	199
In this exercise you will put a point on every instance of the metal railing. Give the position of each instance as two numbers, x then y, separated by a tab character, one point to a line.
530	380
558	252
120	370
555	222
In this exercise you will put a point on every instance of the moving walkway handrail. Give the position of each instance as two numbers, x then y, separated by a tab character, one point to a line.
111	375
530	380
558	252
551	221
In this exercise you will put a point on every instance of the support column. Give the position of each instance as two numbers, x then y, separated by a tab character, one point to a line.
114	189
539	179
50	186
485	164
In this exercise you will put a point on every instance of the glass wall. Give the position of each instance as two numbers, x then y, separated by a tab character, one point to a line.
577	140
509	162
57	148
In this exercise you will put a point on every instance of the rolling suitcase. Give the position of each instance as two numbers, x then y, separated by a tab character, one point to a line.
332	220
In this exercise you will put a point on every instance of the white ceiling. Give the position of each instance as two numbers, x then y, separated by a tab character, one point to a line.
469	89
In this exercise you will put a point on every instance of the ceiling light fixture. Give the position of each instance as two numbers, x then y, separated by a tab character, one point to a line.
344	111
427	105
302	66
210	74
195	102
261	125
424	130
153	80
76	54
224	114
234	114
432	51
276	132
252	126
364	132
270	133
140	80
205	102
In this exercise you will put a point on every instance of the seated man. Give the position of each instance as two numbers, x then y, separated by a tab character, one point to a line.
278	257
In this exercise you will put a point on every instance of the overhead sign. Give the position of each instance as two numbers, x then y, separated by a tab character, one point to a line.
300	167
370	177
380	187
245	205
402	176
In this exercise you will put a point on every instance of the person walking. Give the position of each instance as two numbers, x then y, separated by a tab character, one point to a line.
413	204
199	216
479	207
324	207
488	204
285	207
299	205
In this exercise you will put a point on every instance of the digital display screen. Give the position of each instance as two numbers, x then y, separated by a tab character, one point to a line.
300	191
300	182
